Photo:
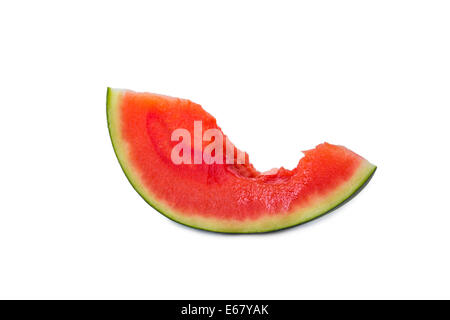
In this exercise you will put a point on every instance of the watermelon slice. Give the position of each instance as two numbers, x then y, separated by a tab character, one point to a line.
224	196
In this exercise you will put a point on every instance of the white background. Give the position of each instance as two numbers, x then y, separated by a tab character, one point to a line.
280	77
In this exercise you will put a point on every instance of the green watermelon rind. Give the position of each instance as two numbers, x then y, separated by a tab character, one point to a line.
363	176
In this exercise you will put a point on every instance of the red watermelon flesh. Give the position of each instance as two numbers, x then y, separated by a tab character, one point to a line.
222	197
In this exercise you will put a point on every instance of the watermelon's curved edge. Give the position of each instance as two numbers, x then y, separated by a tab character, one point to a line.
112	96
363	176
364	183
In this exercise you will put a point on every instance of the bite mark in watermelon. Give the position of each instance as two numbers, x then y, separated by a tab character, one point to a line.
232	198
